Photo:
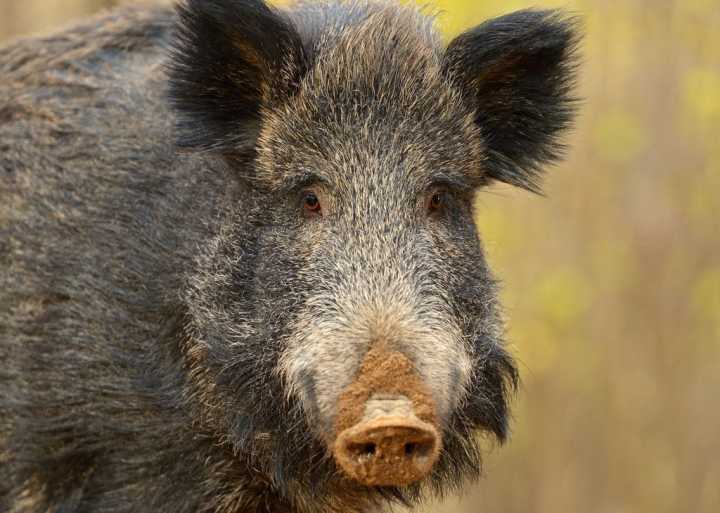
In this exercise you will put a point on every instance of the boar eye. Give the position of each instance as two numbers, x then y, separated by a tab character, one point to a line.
437	201
311	203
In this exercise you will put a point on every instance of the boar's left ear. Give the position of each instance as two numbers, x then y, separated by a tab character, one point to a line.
518	73
229	60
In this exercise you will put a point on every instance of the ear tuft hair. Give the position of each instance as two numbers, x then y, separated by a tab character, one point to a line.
518	72
229	59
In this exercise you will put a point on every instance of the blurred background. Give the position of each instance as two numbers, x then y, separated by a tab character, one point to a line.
612	281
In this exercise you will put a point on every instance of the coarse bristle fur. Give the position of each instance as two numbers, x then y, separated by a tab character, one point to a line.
516	72
175	326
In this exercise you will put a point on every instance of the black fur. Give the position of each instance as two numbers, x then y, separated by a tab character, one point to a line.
229	60
147	293
518	71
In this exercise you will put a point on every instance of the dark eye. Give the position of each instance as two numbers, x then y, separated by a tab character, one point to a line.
437	201
311	203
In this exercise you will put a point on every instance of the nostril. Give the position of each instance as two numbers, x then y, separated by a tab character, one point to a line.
362	451
409	449
368	450
419	449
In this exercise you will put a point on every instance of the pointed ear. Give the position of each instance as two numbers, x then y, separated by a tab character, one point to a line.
230	59
518	73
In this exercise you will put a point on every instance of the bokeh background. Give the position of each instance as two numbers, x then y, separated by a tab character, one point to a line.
612	281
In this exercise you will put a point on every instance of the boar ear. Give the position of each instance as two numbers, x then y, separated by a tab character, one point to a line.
518	73
229	59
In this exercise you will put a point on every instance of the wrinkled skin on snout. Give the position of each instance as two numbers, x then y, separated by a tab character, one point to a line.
243	272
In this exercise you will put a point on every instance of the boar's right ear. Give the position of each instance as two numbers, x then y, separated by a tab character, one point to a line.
229	60
517	72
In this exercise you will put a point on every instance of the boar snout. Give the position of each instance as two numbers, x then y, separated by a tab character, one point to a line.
387	427
391	450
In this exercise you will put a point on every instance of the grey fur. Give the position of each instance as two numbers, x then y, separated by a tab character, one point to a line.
174	331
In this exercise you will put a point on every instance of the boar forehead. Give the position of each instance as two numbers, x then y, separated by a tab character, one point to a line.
374	99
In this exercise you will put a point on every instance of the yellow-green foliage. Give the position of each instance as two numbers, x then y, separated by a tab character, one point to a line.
612	282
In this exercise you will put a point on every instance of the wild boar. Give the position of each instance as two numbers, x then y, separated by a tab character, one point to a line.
239	266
